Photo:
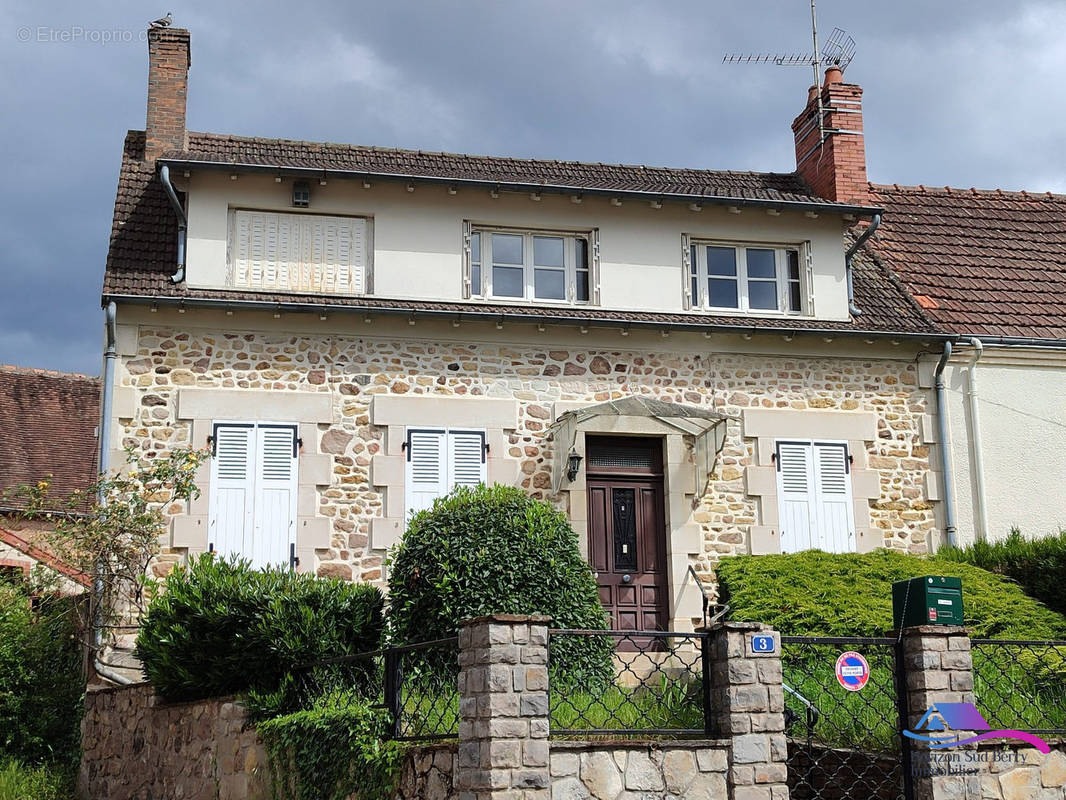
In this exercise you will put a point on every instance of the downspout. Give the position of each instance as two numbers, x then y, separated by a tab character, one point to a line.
981	523
853	309
945	446
107	402
164	176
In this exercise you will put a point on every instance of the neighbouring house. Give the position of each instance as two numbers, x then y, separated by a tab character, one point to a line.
688	363
48	432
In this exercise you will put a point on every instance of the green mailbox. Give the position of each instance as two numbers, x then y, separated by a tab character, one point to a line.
928	600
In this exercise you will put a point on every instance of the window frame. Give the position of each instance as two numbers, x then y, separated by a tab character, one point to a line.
478	272
697	276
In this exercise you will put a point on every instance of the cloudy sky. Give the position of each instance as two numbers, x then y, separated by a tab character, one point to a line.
956	93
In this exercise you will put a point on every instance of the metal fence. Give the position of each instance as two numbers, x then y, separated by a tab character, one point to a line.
628	683
1021	685
843	744
417	683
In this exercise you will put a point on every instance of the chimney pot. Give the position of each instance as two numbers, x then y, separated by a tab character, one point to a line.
812	93
833	75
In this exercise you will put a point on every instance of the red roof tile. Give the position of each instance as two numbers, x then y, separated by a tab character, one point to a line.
48	423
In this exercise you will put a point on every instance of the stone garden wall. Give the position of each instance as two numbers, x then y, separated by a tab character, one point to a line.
1023	773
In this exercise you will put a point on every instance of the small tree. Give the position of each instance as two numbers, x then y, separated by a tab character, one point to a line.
111	530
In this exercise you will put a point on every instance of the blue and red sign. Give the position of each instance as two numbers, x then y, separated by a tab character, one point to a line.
853	671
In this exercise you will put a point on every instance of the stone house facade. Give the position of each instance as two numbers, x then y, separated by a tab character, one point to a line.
687	363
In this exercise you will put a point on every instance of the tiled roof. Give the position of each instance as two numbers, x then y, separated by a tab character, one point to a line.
48	424
284	153
985	263
143	255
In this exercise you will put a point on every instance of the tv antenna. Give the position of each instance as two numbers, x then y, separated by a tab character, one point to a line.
838	51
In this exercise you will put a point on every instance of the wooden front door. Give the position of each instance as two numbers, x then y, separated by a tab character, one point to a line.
627	531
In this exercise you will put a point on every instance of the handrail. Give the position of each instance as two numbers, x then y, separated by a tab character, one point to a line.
813	714
724	607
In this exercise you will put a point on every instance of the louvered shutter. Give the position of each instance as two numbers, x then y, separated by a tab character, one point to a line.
832	498
795	482
232	499
466	458
275	502
687	300
426	470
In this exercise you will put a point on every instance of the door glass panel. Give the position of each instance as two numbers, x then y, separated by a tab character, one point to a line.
625	530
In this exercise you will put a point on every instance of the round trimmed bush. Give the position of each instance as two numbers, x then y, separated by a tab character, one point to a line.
221	627
489	550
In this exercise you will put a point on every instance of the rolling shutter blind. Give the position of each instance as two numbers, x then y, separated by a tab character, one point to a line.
252	503
439	460
232	490
814	495
298	252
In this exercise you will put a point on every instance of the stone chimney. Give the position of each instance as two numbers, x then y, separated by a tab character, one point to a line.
168	80
836	168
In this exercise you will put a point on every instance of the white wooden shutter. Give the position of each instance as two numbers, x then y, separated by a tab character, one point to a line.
795	482
832	497
687	300
299	252
275	500
426	471
466	458
232	498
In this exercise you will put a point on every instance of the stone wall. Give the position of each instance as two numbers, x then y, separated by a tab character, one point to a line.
1017	772
352	370
137	747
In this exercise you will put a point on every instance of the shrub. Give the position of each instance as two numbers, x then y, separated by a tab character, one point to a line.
221	627
824	594
488	550
21	782
1038	565
41	683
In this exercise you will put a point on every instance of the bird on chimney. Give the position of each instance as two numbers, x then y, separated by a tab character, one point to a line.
162	22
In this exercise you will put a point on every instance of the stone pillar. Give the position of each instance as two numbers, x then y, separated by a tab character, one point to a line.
748	708
938	668
503	708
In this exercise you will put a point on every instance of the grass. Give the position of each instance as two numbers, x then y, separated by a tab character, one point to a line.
670	704
21	782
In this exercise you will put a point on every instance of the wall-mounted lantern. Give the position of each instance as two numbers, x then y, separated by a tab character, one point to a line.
573	464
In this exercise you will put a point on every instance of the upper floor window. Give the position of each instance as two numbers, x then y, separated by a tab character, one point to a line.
745	277
531	265
298	253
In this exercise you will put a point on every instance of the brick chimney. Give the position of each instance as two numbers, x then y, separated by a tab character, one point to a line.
836	169
168	80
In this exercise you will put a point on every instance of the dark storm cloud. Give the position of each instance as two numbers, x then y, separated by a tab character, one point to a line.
955	93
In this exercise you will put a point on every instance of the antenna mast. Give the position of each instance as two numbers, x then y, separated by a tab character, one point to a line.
815	63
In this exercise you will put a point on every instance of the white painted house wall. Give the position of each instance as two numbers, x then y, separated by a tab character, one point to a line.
418	236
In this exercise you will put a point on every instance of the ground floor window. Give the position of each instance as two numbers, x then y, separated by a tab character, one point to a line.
438	460
814	492
253	491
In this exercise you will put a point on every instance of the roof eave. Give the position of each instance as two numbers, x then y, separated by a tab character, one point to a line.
519	186
526	318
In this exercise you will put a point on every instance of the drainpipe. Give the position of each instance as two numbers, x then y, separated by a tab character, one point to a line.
981	522
945	446
853	309
164	176
107	402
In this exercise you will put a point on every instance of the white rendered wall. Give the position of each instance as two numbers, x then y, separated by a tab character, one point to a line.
417	236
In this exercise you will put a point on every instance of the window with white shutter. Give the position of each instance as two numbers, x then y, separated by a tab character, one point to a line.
252	502
438	460
298	252
814	496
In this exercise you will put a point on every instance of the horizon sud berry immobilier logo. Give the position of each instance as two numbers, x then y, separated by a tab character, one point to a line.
948	717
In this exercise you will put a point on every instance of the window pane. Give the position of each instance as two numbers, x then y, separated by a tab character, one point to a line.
721	261
762	294
506	248
793	265
794	296
583	285
475	279
548	251
761	264
549	284
723	293
581	253
508	281
475	247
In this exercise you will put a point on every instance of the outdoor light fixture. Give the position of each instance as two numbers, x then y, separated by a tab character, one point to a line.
573	464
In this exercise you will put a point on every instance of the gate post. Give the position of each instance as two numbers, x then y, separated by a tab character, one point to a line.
938	668
748	708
